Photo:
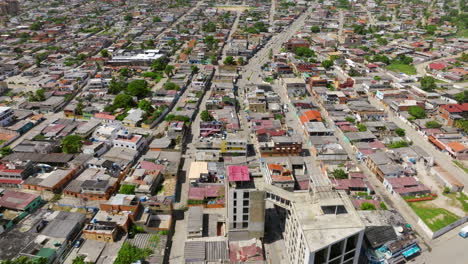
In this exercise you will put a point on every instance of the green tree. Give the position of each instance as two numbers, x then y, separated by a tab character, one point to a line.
367	206
40	95
36	25
169	70
383	206
125	72
428	83
129	254
400	132
123	101
304	52
79	260
138	88
72	144
159	64
171	86
382	41
417	112
350	119
206	116
210	42
327	64
431	29
240	61
156	19
105	53
229	60
433	124
116	87
462	97
340	174
145	105
128	17
209	27
194	69
398	144
361	127
5	151
315	29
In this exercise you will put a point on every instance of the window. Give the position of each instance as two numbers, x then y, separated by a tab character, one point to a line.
352	242
336	249
234	225
321	256
235	195
245	224
246	195
245	210
246	203
234	203
234	218
245	217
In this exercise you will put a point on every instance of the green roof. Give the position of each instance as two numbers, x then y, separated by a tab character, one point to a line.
45	252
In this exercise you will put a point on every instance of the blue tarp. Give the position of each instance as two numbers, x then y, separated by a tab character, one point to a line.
412	250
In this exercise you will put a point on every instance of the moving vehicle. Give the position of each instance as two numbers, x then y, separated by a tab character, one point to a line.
79	242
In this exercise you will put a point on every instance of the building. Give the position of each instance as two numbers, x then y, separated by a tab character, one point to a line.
245	205
126	139
12	174
281	146
326	230
9	7
6	116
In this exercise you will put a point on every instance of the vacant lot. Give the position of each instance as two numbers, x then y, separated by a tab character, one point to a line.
435	218
461	198
407	69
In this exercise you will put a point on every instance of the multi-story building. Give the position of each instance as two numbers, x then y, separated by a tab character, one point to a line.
6	116
245	205
323	228
126	139
282	146
12	173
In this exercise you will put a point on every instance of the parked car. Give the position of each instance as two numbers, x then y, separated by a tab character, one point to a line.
79	242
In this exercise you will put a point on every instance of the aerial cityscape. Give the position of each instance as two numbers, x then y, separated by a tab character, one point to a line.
233	131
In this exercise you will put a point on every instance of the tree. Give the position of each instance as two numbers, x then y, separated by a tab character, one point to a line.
383	206
327	64
169	70
315	29
417	112
304	52
206	116
5	151
78	260
171	86
229	61
403	59
125	72
350	119
159	64
361	127
129	254
40	95
431	29
433	124
123	101
367	206
210	42
72	144
104	53
428	83
382	41
156	19
209	27
138	88
461	97
128	17
194	69
127	189
400	132
36	25
340	174
359	29
116	87
145	105
398	144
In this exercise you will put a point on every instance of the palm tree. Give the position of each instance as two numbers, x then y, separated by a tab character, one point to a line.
169	70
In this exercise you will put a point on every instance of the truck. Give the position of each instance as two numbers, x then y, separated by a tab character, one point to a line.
464	232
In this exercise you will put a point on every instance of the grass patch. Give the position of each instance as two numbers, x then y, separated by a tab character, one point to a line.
434	218
460	197
404	68
461	166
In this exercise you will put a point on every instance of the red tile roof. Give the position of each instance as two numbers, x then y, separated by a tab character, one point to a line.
311	115
456	146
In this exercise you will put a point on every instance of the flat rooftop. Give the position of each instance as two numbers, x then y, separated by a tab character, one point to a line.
322	229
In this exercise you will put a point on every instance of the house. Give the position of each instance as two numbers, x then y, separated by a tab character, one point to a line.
405	186
54	181
6	116
12	174
453	112
281	146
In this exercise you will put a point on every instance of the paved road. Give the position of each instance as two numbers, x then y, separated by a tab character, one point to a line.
444	160
450	249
